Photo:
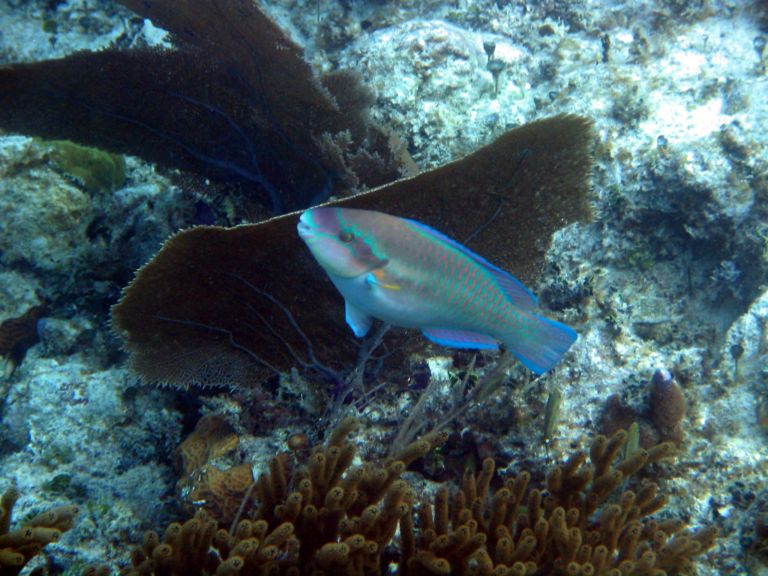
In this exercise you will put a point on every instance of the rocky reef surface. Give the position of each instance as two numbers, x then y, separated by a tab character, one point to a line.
666	287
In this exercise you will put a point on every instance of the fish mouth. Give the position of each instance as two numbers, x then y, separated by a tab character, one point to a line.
303	228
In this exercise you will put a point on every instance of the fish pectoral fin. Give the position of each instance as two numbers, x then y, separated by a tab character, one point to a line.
461	338
378	278
359	321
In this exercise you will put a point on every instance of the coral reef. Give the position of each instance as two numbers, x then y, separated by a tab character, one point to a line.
672	274
52	32
19	545
754	533
65	243
438	53
46	216
91	437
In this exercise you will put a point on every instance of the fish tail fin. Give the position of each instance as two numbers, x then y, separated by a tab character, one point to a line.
544	345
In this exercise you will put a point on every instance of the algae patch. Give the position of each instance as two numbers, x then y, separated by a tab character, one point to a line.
98	170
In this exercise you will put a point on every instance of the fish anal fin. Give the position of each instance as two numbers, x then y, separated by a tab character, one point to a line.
461	338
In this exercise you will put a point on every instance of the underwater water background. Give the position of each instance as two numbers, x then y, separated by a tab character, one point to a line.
665	286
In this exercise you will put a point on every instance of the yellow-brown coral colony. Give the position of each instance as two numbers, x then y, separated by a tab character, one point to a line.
330	517
327	517
208	476
18	546
575	525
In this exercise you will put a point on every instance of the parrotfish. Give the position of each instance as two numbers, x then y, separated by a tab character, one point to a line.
407	274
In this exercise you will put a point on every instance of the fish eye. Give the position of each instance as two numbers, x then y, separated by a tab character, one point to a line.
346	236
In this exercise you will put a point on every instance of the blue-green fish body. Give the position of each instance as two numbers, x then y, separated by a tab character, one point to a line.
407	274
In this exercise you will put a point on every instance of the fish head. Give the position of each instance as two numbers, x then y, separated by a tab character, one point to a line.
340	241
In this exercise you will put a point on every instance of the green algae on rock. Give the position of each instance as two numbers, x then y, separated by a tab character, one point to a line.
98	170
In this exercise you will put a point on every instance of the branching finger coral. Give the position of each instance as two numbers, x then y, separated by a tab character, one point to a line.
327	517
576	525
19	545
330	517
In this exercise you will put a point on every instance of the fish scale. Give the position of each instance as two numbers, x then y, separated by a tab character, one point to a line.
407	274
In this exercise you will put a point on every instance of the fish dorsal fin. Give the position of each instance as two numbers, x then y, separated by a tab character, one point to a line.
515	290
